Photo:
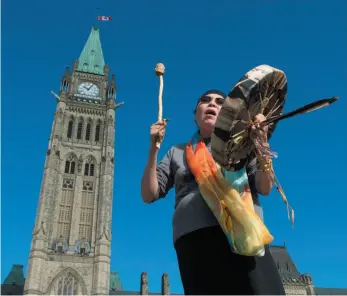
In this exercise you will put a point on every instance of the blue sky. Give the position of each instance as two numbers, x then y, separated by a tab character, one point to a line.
204	44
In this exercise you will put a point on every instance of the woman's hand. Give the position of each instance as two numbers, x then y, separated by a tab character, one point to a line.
157	132
260	132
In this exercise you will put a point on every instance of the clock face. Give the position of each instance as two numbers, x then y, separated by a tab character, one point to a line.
89	89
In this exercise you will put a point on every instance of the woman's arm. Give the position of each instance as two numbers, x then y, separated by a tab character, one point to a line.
157	179
263	177
149	182
264	180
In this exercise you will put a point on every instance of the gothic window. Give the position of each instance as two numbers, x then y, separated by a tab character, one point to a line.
69	129
79	130
66	284
65	208
91	170
88	132
86	169
67	167
87	207
70	165
89	167
97	132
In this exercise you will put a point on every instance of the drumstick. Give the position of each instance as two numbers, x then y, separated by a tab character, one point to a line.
159	71
305	109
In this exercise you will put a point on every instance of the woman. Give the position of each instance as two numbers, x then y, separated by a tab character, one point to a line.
206	263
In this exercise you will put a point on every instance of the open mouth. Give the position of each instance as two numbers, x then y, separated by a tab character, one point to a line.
211	112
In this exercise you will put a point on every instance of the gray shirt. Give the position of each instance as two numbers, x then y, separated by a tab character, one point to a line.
191	211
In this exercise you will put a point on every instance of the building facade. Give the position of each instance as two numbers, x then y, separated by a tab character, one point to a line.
70	251
71	244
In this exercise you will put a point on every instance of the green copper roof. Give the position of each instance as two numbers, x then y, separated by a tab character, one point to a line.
115	283
16	276
91	59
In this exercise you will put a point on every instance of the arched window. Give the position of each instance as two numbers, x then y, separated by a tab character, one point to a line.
97	132
67	282
86	212
69	129
70	165
79	130
67	167
91	170
88	132
65	209
89	167
86	169
67	285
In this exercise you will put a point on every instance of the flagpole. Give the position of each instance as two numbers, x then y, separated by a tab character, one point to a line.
96	18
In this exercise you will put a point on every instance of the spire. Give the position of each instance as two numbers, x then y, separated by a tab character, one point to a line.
16	276
115	283
91	59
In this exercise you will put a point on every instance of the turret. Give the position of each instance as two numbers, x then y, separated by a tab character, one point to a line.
111	91
144	284
65	80
307	279
165	285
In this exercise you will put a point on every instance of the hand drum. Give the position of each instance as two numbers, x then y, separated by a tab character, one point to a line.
262	90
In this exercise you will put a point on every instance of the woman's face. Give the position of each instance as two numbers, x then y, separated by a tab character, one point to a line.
207	111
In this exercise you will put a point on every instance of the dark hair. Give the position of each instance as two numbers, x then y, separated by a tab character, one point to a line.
211	91
214	91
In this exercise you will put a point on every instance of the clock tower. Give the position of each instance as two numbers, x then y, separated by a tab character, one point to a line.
71	244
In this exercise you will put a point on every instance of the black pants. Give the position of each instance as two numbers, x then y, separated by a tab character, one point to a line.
207	266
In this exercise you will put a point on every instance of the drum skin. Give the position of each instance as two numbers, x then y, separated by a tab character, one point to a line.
262	90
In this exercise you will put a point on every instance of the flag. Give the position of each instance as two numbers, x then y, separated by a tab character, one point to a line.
104	18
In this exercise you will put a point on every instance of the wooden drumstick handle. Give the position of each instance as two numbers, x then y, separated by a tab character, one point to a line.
159	71
160	98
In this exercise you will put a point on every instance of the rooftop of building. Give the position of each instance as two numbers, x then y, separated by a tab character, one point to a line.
288	270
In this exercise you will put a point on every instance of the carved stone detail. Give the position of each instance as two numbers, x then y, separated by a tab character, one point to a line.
85	76
85	110
105	233
60	245
40	230
79	164
60	113
110	120
82	247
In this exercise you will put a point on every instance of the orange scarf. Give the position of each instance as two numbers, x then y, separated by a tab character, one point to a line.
244	229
